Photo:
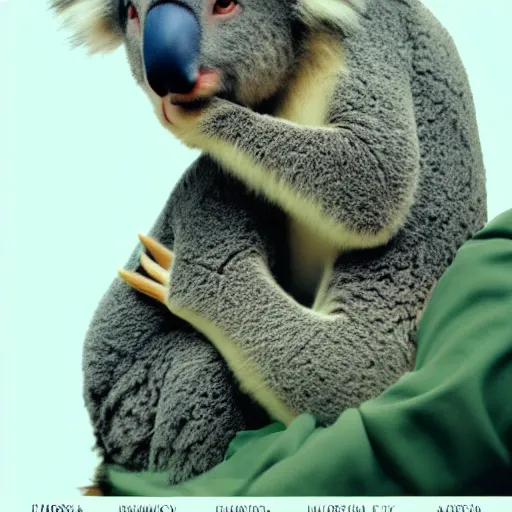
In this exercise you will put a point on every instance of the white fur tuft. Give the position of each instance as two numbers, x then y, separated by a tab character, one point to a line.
342	13
89	23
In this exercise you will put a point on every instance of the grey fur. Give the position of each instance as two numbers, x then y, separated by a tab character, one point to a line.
158	394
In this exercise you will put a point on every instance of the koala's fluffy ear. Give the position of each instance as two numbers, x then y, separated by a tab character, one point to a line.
343	14
94	23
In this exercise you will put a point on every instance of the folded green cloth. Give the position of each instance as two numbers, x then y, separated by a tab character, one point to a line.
443	429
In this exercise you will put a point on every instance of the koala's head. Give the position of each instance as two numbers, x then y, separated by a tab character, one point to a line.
242	50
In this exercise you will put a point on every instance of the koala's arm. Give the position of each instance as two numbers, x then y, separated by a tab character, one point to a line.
354	179
290	359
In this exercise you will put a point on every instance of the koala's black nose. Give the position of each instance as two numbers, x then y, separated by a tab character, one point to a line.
171	48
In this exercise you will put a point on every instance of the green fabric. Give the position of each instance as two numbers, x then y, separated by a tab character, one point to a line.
444	428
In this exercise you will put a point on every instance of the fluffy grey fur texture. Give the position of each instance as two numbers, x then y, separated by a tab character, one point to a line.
401	156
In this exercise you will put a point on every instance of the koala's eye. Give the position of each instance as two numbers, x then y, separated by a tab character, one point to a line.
133	17
132	12
223	7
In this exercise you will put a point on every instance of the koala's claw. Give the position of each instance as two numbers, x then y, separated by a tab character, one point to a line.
159	270
154	270
162	255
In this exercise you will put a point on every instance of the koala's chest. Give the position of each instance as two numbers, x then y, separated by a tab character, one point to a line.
311	259
307	102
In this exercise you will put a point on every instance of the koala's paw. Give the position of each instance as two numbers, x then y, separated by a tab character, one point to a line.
159	270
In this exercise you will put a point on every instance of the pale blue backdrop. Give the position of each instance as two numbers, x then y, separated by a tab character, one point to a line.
88	168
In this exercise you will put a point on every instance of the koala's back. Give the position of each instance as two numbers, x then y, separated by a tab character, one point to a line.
450	200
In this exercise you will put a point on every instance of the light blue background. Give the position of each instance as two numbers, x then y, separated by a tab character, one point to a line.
88	167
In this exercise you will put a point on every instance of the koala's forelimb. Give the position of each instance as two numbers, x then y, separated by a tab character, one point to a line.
340	155
266	351
329	177
158	287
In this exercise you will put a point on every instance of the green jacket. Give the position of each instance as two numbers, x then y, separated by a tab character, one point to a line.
443	429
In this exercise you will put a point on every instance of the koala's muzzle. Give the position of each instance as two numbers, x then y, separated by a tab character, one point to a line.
171	49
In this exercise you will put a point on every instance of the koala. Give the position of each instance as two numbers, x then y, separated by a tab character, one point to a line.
340	171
